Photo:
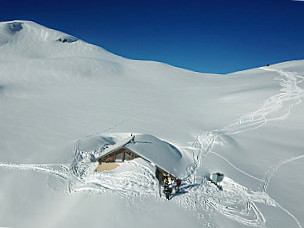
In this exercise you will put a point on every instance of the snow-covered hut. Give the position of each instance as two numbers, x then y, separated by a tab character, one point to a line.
121	147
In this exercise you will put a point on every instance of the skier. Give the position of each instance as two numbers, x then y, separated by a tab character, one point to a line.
170	181
178	183
167	190
165	180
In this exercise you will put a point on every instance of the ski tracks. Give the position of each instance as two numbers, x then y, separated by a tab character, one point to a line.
274	108
58	170
273	169
236	202
277	107
137	180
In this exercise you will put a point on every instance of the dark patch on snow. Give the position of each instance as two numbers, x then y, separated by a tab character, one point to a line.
67	39
1	88
14	27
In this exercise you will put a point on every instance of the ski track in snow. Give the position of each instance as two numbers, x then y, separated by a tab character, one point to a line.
277	107
58	170
235	167
273	169
128	183
236	202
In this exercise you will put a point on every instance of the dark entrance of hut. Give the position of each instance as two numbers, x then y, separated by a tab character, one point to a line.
160	174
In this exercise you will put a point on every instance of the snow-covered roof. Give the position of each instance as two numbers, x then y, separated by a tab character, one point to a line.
160	153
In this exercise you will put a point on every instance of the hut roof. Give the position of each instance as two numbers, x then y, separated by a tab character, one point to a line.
160	153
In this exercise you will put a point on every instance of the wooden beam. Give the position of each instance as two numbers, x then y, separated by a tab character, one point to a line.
123	156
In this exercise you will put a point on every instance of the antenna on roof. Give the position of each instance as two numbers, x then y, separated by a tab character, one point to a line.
133	137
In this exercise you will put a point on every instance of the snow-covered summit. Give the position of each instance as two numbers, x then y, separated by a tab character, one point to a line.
21	31
29	39
30	45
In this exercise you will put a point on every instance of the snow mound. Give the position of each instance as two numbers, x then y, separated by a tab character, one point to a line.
88	149
99	142
132	178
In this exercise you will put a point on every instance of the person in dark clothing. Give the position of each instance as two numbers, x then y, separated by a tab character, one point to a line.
178	183
167	190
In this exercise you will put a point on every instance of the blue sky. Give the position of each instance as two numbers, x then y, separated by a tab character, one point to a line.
214	36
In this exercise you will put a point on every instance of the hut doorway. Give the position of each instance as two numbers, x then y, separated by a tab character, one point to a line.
160	175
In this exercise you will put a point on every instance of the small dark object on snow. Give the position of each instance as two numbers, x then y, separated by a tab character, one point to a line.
267	65
216	178
67	39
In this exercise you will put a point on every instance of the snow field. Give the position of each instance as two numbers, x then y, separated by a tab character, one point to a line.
247	125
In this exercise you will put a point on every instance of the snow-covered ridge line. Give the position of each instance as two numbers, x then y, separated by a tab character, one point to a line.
34	34
38	39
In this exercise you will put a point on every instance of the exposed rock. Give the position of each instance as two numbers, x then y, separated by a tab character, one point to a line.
14	27
68	39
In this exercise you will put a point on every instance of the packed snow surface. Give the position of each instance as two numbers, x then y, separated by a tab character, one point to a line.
59	94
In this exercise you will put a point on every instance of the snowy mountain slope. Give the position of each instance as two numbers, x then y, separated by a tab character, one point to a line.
53	92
